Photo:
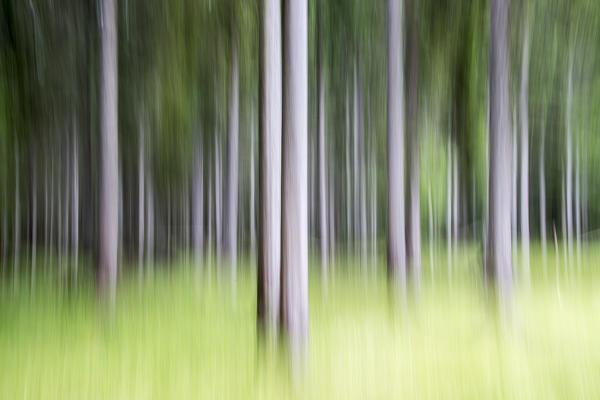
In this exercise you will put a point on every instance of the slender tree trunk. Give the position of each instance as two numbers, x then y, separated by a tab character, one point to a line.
449	207
578	206
218	201
75	199
430	236
198	203
141	201
542	185
321	151
109	174
33	218
569	173
373	207
499	248
210	214
294	231
331	211
149	220
270	143
514	173
395	147
17	220
413	231
455	204
231	202
348	176
355	158
252	185
525	156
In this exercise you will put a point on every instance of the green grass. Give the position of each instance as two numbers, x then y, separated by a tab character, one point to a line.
177	336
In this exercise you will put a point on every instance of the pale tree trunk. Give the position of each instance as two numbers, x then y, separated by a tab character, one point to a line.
17	220
430	236
270	142
578	206
525	156
210	214
75	199
413	206
569	171
109	174
231	201
542	185
322	220
499	248
395	147
294	218
149	221
355	161
449	207
198	203
362	200
141	201
455	188
252	185
331	211
373	207
218	200
348	176
513	180
33	218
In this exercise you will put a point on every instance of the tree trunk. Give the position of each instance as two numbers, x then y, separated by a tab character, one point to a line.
413	206
270	142
198	203
542	170
141	202
17	220
322	206
514	173
525	156
499	247
33	218
252	185
569	173
578	206
218	200
395	147
75	199
109	174
355	159
149	220
449	207
294	238
231	201
348	176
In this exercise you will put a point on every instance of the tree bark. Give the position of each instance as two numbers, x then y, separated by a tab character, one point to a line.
294	238
198	203
75	198
348	176
270	143
449	207
499	247
231	201
141	201
395	147
322	206
525	156
569	172
514	174
109	174
542	185
413	231
252	185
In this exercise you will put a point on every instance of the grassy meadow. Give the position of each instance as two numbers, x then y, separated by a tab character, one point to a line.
179	334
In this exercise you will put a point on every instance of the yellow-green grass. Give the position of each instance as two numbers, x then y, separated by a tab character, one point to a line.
177	334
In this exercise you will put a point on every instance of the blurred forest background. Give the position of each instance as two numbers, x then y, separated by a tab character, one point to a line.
214	169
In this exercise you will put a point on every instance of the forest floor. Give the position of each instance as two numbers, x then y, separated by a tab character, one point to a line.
178	335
